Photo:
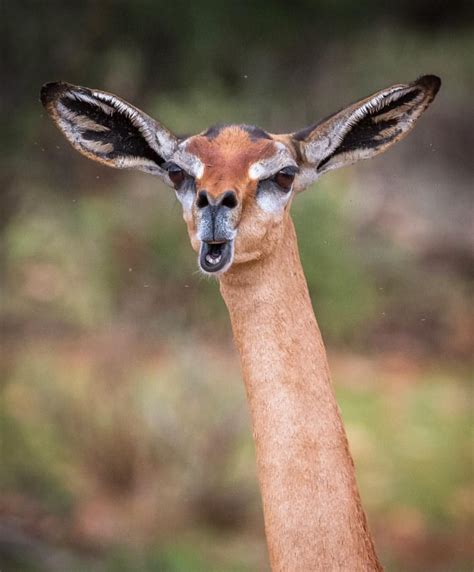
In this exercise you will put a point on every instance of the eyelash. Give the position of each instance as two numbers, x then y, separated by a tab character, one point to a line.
175	174
284	178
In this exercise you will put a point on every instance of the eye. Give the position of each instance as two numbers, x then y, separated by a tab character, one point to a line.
176	174
284	178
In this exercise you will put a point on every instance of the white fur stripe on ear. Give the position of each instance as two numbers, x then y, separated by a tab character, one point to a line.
363	129
107	129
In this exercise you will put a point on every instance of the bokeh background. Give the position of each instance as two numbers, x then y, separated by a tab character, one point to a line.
125	438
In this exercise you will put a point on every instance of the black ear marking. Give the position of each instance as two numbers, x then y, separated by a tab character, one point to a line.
403	100
102	126
366	135
114	131
304	133
365	128
430	83
380	125
107	129
51	91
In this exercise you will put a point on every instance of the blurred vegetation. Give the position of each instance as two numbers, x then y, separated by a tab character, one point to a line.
125	442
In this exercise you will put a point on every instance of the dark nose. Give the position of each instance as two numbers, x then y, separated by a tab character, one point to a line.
227	199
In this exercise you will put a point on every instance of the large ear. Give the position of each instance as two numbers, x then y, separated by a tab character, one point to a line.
364	129
107	129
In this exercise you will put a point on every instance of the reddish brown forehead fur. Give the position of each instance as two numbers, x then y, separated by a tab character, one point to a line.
227	154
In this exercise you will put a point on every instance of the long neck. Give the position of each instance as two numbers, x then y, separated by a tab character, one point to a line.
312	510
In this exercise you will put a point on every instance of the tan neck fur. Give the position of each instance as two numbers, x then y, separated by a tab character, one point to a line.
312	510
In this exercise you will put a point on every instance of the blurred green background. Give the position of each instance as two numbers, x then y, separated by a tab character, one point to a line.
125	439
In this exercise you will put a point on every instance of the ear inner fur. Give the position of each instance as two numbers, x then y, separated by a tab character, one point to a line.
363	129
107	129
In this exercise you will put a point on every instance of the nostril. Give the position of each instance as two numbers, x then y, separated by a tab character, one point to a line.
202	200
229	200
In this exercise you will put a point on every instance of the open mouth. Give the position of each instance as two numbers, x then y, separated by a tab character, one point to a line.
215	256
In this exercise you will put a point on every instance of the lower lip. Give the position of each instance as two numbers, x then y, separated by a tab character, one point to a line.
215	257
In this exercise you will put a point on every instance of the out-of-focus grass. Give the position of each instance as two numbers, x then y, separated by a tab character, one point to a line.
81	261
413	445
410	431
343	292
202	551
123	428
152	452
